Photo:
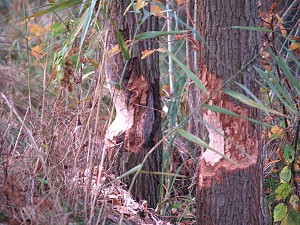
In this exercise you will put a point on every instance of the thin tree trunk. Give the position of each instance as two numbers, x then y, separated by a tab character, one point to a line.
136	128
228	193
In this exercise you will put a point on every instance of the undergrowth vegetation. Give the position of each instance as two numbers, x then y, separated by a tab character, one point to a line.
55	108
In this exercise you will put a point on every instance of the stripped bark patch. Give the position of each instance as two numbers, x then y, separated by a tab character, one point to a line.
229	135
130	118
134	137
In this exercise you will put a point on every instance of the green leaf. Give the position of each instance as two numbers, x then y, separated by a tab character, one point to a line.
188	72
260	29
285	175
43	181
123	46
287	221
293	216
273	88
286	71
133	170
242	98
154	34
253	97
230	113
200	142
56	7
87	22
282	90
289	153
294	200
282	191
280	212
57	29
162	173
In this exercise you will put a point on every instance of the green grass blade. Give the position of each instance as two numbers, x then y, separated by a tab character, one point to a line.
56	7
260	29
286	71
87	22
200	142
289	104
273	88
242	98
123	46
230	113
154	34
188	72
252	96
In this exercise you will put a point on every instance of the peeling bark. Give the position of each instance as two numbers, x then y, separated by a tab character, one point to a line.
136	128
229	193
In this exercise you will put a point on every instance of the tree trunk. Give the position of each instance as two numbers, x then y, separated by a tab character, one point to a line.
137	126
229	193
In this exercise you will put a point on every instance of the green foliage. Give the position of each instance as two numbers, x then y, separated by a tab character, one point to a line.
282	191
123	46
289	154
280	212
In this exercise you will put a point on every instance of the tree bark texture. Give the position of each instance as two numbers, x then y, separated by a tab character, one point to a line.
229	193
137	126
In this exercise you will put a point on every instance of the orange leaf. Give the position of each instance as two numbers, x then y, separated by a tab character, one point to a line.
114	50
35	51
294	46
179	36
157	10
180	2
297	179
276	130
146	53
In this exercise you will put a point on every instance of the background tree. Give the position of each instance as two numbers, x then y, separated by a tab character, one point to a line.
136	128
228	193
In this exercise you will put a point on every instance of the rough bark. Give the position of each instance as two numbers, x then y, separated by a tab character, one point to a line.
136	128
228	193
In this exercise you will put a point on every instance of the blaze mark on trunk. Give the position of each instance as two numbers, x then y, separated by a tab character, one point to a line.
131	115
238	132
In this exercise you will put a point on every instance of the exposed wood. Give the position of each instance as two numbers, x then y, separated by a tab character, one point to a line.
136	128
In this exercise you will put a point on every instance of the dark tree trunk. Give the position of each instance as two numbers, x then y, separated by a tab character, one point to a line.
228	193
137	126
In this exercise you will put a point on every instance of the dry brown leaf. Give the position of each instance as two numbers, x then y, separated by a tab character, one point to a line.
140	4
180	2
157	10
179	36
276	130
294	46
146	53
114	50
